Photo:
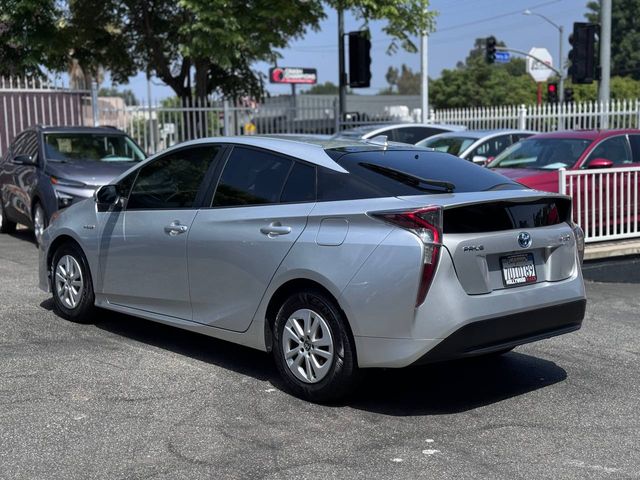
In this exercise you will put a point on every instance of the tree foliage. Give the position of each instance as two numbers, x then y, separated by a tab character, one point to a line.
625	35
197	47
472	83
30	36
326	88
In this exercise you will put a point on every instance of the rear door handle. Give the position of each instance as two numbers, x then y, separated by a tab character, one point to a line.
175	228
274	229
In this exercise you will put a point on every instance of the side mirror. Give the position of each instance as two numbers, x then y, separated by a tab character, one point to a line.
24	160
600	163
107	197
479	159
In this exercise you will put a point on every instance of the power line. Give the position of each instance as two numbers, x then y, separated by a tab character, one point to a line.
502	15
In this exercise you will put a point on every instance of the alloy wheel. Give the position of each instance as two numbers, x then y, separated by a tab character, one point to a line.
308	346
38	223
68	281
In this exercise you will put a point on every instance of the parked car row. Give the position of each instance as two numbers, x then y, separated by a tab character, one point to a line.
49	168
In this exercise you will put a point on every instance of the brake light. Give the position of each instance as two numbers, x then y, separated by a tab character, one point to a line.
426	224
579	234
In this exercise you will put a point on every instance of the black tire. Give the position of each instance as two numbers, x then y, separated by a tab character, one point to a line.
342	375
83	311
6	225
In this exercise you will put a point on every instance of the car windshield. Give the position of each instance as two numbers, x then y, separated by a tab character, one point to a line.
542	153
93	147
453	145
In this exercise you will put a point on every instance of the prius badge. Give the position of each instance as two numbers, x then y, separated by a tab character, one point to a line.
524	239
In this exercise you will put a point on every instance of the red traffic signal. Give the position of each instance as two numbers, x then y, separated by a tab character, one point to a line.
552	92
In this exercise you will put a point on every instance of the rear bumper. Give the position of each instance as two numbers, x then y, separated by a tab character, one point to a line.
499	333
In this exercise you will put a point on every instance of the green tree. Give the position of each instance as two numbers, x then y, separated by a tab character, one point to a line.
403	82
326	88
625	35
622	88
30	36
475	83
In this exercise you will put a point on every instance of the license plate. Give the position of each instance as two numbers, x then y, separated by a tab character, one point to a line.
518	269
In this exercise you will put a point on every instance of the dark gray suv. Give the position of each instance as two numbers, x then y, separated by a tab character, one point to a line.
50	168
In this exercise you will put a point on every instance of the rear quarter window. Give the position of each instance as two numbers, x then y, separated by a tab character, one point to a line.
364	182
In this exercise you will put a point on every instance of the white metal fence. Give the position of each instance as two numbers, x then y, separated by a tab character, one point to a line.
605	201
25	102
546	117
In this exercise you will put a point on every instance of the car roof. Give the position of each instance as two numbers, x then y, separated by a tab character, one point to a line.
367	129
79	129
585	134
310	149
478	134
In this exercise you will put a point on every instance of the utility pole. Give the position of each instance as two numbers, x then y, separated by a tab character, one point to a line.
605	50
424	74
342	84
561	63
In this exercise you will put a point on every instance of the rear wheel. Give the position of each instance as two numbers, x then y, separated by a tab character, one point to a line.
39	222
6	225
71	284
312	348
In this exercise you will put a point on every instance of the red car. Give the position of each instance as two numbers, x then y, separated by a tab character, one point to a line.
535	162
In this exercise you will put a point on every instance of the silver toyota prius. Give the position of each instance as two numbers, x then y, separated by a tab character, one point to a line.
333	255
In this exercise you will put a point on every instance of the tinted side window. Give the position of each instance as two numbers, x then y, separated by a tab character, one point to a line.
634	140
172	181
615	149
333	186
301	184
252	177
492	147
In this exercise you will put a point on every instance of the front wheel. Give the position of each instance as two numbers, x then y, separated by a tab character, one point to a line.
312	348
71	284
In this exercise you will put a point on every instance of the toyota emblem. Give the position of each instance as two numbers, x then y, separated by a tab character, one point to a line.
524	240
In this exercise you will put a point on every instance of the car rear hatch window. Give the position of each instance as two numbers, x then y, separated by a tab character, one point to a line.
398	172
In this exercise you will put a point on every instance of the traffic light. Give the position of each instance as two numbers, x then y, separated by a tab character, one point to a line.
359	60
568	95
583	54
552	92
490	49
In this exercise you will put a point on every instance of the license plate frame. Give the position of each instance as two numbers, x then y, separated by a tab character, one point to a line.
518	270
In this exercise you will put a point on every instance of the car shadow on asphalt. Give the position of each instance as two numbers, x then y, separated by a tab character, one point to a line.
442	388
456	386
24	235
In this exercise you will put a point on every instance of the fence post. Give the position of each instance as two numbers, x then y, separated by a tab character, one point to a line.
562	181
225	116
336	115
94	103
522	117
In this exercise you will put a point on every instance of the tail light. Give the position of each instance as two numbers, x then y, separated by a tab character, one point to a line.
426	224
579	234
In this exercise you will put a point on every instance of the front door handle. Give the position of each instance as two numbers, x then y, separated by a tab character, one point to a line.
274	229
175	228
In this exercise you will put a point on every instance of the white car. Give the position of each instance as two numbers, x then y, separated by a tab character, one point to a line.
479	146
410	133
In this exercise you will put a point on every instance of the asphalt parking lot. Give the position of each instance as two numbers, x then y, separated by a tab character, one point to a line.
126	398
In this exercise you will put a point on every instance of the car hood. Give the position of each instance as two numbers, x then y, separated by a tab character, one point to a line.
546	180
89	173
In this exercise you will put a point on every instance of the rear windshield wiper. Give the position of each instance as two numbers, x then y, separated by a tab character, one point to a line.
410	179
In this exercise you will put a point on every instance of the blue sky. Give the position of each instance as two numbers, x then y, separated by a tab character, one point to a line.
458	24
